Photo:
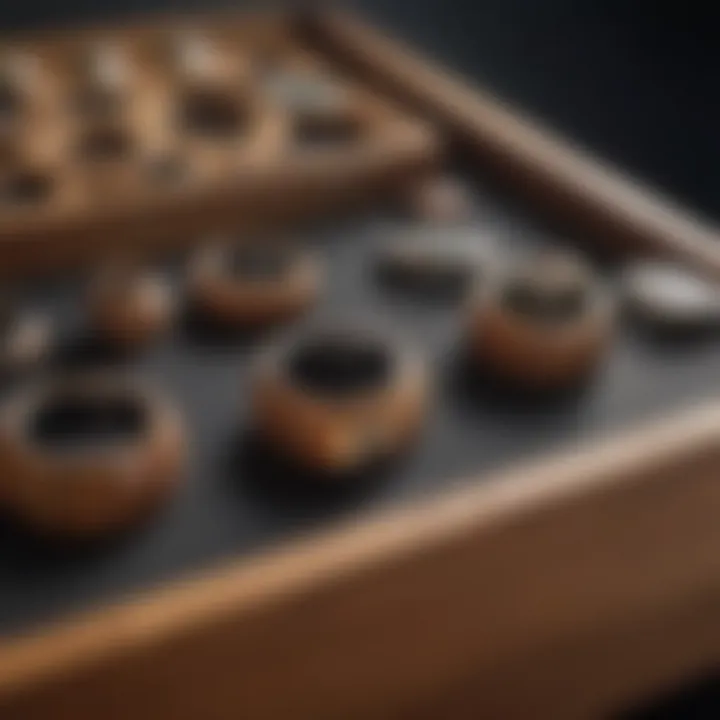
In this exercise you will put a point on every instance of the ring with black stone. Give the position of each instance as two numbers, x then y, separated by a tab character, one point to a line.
84	456
542	324
252	284
337	399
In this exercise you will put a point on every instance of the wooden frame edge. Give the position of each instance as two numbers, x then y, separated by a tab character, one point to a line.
557	177
245	201
556	561
307	192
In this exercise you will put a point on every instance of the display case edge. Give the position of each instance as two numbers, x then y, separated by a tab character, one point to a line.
563	561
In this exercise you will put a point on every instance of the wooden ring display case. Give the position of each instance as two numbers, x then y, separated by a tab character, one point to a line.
565	586
206	105
86	456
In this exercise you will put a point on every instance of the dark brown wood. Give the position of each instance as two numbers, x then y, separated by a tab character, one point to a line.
561	180
241	184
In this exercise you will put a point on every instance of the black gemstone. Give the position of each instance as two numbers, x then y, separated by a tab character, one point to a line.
73	421
340	366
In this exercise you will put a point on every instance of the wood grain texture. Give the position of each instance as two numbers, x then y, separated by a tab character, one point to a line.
249	204
255	178
560	180
602	561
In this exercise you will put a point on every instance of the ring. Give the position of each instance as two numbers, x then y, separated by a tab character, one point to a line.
84	456
432	263
25	339
336	399
542	324
254	284
128	308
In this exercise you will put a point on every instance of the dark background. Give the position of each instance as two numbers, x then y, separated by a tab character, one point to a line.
634	80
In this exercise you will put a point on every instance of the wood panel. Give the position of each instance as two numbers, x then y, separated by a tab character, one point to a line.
490	595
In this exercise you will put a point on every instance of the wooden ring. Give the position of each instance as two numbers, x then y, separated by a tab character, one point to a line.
336	399
254	284
128	308
62	476
542	324
24	342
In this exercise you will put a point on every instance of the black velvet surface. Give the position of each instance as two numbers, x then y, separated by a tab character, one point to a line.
236	499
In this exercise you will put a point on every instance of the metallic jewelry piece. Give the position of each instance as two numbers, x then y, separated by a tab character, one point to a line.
668	297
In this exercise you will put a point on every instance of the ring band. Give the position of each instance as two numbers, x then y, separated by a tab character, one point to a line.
527	346
251	285
127	308
335	400
62	477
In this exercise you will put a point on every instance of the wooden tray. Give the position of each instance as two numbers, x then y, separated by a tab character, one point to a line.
563	585
75	172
